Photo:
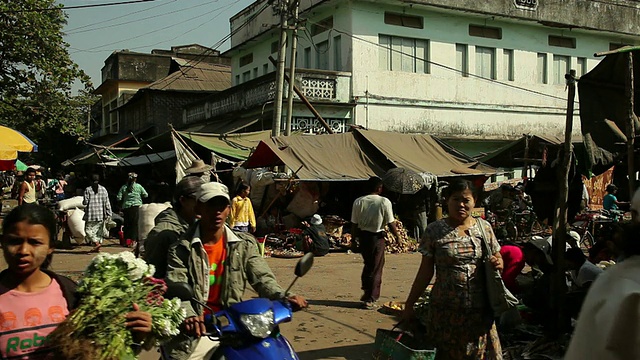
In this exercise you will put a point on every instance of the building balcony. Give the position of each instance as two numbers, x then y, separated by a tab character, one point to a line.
318	86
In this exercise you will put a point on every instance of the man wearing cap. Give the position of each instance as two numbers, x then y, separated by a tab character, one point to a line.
130	198
171	224
97	210
315	235
218	263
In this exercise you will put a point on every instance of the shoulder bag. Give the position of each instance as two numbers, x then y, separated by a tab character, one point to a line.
500	298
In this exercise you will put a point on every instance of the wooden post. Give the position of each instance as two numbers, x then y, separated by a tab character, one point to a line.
630	91
558	282
525	168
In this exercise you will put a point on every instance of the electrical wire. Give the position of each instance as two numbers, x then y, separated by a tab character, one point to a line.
93	49
76	7
467	73
117	17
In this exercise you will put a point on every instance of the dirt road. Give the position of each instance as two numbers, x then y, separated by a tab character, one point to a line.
333	327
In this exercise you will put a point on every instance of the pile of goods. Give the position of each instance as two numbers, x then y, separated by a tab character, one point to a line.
282	245
399	246
340	243
337	240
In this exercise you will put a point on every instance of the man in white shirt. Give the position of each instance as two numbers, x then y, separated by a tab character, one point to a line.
583	272
369	216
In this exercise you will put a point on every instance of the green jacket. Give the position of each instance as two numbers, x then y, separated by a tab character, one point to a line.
188	262
169	227
133	197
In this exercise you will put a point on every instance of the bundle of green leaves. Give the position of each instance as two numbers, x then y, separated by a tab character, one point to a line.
111	284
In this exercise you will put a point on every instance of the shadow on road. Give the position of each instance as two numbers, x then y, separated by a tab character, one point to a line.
350	352
336	303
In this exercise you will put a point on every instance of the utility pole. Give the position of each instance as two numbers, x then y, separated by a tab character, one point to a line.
295	4
277	113
631	131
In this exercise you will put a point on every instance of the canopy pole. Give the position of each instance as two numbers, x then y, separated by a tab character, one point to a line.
558	282
630	90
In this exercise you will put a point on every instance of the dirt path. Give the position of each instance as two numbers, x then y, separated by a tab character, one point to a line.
333	327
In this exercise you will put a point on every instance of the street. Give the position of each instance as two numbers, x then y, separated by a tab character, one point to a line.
333	327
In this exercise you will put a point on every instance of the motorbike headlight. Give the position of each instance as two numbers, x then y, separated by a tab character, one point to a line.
260	325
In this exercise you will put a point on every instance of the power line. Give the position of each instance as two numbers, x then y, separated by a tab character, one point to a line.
148	33
62	7
466	73
69	31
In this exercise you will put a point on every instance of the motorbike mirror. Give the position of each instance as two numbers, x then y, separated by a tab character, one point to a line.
182	291
304	264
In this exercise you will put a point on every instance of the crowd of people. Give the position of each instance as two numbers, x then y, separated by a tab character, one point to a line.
205	239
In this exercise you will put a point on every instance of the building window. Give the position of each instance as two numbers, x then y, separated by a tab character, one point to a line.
337	53
405	20
485	31
274	47
114	125
507	64
246	76
265	69
561	41
485	62
246	60
322	26
404	54
561	67
541	68
322	57
255	72
237	79
614	46
462	59
307	58
582	66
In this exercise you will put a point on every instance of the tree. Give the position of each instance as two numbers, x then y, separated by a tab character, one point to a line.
36	77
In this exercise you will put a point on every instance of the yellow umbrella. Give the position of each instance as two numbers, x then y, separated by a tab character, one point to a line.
7	152
12	141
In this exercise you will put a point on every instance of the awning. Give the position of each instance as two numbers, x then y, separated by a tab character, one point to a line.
142	159
421	153
329	157
231	146
539	149
223	126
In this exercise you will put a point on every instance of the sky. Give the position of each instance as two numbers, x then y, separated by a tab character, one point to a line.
94	33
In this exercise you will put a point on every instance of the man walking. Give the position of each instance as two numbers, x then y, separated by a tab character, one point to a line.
130	197
97	210
369	216
27	193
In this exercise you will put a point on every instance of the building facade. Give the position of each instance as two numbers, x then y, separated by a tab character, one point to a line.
476	69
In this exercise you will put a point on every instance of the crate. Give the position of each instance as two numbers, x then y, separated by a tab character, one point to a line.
396	345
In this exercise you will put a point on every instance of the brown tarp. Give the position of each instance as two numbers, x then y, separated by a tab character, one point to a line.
421	153
322	157
359	155
604	105
542	149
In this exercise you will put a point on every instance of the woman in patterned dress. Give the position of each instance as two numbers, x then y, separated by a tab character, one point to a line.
459	322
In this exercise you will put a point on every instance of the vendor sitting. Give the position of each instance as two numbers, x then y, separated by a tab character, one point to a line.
314	237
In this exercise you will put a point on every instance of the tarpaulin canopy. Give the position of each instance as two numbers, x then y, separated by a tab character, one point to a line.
359	155
534	149
319	157
231	146
420	153
142	159
605	104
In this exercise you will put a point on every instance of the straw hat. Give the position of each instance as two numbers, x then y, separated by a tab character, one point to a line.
198	166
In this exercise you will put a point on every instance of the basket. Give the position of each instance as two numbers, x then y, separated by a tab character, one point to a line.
396	345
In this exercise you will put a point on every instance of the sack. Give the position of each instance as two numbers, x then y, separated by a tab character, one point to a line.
500	298
76	225
146	217
397	345
71	203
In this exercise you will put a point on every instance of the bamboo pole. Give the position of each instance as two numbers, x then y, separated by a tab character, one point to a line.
630	90
558	283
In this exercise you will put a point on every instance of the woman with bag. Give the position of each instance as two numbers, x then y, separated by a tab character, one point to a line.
460	321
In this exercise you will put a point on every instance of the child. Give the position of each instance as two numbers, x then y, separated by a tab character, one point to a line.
33	299
242	217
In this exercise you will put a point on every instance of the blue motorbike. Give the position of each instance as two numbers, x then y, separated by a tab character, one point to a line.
249	329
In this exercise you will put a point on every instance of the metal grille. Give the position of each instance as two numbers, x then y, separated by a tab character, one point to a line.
312	126
319	88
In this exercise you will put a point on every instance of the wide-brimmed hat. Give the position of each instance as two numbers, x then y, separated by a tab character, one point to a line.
542	245
198	166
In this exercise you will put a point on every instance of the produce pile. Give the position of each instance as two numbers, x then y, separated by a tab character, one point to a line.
340	243
399	246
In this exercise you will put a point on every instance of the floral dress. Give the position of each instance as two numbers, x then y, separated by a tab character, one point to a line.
459	322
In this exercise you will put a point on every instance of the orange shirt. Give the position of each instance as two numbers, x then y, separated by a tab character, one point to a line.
216	254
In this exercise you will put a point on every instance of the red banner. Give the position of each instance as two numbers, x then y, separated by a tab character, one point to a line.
596	187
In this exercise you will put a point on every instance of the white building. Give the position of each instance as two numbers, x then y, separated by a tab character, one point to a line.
491	69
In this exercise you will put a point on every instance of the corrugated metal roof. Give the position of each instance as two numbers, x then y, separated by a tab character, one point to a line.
195	76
